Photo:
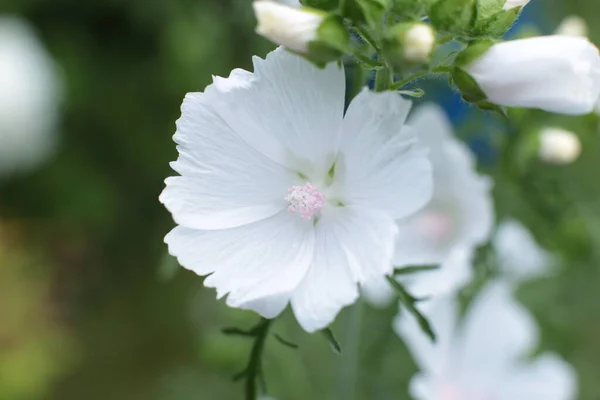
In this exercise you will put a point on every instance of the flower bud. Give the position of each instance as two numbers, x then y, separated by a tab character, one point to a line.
409	43
510	4
573	26
559	146
560	74
418	42
288	26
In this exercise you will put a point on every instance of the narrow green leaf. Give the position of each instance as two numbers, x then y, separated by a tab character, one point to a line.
413	269
335	345
408	301
285	342
237	332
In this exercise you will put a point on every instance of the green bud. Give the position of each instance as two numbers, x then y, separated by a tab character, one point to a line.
469	88
333	39
452	16
408	43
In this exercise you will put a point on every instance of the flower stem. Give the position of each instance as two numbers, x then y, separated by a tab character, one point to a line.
383	79
253	372
350	360
441	69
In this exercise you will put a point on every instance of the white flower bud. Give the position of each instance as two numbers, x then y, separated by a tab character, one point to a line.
559	74
573	26
29	97
290	27
514	3
418	42
559	146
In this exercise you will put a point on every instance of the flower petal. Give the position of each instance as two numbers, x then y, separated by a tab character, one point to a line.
453	274
497	331
224	183
328	286
290	111
381	165
461	210
258	264
548	377
435	359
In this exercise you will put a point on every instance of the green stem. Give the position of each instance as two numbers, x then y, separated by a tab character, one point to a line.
254	369
358	81
383	79
350	360
441	69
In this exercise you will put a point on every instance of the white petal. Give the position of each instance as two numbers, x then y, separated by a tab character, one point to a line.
519	255
378	292
554	73
368	238
328	286
423	387
290	111
547	378
258	264
453	274
224	183
380	163
461	210
437	358
496	332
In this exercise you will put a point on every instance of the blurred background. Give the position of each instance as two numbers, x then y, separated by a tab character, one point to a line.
91	306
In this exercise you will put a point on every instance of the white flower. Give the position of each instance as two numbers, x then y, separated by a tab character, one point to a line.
286	25
283	198
559	74
484	356
559	146
519	256
573	26
510	4
458	218
418	42
28	95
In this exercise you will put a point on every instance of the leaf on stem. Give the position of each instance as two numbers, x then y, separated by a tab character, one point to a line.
409	301
335	345
413	269
285	342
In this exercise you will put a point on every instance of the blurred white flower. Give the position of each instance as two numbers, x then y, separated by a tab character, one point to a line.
418	42
519	256
510	4
458	218
291	3
483	358
283	198
559	146
559	74
573	25
29	92
286	25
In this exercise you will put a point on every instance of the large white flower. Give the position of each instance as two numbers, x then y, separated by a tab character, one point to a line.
557	73
283	198
483	357
28	97
458	218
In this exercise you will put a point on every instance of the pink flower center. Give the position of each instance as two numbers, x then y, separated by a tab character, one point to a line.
435	225
305	200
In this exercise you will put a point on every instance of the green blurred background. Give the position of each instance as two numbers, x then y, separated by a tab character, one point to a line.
92	308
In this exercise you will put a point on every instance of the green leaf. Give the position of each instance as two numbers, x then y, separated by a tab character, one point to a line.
327	5
452	16
285	342
409	301
414	269
238	332
373	11
334	34
410	9
335	345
